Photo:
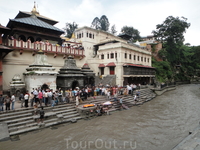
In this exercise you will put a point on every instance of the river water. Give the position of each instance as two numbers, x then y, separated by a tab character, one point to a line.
156	125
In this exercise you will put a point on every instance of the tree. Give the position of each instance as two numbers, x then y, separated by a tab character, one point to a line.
132	32
101	24
170	33
113	29
70	28
172	30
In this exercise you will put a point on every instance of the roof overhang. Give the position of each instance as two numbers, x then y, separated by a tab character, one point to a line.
101	65
111	64
135	65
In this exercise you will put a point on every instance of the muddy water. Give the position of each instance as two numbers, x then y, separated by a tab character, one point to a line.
157	125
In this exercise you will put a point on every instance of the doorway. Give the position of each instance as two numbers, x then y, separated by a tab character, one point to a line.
75	84
112	70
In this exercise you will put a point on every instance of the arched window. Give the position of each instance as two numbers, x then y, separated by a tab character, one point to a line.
38	39
102	56
90	35
125	55
22	37
31	39
112	55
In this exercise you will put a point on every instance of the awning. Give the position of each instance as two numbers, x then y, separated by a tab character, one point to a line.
111	64
134	65
101	65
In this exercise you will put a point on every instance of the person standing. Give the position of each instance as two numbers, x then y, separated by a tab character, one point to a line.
7	101
40	97
45	96
60	96
26	97
49	94
121	102
21	98
41	115
31	99
35	93
1	102
77	101
13	101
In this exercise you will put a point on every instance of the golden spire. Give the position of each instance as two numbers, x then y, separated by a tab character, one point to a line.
34	10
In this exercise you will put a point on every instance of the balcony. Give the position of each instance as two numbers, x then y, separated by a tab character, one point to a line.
77	51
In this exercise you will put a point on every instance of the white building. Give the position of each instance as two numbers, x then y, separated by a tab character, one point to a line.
107	54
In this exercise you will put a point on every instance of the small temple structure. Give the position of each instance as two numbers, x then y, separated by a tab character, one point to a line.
70	76
40	73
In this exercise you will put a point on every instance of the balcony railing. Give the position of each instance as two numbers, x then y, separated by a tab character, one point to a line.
46	47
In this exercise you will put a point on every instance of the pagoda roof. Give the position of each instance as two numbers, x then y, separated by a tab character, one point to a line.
23	14
4	29
124	36
34	21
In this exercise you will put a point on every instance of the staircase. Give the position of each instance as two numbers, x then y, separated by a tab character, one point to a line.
109	79
23	120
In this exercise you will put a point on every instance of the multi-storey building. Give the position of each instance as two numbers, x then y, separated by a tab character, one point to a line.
107	54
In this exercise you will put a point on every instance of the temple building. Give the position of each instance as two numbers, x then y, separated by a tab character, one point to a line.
23	37
101	56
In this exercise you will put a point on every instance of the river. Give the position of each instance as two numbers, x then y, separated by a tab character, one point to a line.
159	124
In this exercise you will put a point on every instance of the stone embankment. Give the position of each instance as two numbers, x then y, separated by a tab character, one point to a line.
191	142
22	120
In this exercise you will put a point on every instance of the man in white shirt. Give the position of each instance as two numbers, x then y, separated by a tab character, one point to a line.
13	101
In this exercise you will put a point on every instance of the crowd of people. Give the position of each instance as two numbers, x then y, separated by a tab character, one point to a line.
48	97
7	101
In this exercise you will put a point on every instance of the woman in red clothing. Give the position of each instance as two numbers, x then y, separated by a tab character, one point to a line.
40	96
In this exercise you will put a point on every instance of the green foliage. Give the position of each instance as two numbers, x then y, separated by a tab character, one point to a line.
170	33
162	53
172	30
132	32
70	28
163	70
101	24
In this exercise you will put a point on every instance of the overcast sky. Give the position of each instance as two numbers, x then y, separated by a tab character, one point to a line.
143	15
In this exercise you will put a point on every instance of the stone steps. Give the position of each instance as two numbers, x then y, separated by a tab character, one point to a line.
63	108
71	116
19	120
23	120
50	120
20	123
73	119
4	114
68	113
22	127
64	111
52	123
15	116
24	130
